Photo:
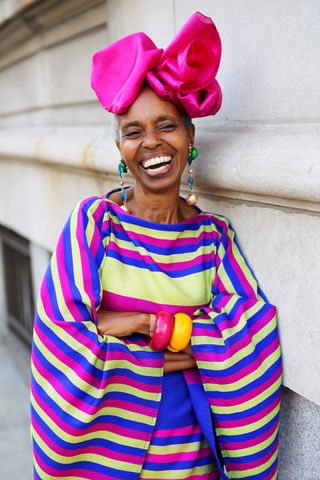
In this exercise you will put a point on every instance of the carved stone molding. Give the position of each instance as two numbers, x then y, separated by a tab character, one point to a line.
35	21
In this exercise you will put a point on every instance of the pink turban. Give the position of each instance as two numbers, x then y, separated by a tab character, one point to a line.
184	73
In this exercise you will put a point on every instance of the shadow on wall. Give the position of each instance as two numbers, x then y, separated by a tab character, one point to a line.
299	435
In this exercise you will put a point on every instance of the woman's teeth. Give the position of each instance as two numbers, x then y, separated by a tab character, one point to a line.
157	163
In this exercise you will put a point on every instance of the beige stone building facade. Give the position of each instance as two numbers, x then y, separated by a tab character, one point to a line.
259	159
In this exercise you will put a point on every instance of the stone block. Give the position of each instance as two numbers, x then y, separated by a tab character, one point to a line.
270	62
299	438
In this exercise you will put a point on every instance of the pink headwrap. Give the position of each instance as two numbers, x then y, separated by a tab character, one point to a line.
184	73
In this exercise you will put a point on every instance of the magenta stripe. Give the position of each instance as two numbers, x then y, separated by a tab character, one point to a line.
96	237
63	392
228	402
215	331
241	309
254	441
101	426
129	407
212	475
94	449
90	379
95	348
85	407
205	332
64	283
46	301
114	207
250	291
85	270
179	431
115	302
178	456
248	420
165	267
253	366
78	473
145	362
95	241
223	355
162	242
253	464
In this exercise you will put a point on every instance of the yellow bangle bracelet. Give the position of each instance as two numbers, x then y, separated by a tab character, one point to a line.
181	332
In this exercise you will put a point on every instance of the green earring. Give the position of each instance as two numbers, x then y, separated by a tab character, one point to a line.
122	168
192	198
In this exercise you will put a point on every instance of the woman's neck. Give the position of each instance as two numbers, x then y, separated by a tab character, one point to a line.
155	207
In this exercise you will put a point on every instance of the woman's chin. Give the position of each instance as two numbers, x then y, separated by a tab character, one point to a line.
159	179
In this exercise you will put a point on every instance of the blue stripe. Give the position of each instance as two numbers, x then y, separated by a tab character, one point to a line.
178	465
89	466
78	424
243	362
52	295
176	439
90	400
35	475
97	442
193	225
255	456
262	475
243	437
155	268
233	277
68	263
249	411
248	388
166	251
114	347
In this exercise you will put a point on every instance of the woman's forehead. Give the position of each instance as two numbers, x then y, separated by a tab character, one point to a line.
149	106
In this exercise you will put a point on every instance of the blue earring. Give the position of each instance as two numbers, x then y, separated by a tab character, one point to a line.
122	168
192	198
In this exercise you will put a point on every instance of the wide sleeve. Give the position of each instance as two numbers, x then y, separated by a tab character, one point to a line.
93	396
236	346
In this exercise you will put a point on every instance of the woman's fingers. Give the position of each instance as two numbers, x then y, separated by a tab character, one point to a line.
175	357
174	366
188	350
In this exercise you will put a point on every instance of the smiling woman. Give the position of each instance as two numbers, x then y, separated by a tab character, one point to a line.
155	353
154	141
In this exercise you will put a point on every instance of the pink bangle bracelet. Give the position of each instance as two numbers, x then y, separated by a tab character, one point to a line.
162	331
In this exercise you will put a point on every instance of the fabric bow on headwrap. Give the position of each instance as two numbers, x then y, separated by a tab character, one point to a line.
184	73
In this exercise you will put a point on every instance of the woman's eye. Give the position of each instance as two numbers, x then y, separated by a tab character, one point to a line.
132	134
168	128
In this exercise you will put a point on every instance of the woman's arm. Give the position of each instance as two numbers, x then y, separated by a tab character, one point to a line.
121	324
86	387
236	345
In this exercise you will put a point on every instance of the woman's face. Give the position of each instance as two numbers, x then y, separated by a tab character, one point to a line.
153	141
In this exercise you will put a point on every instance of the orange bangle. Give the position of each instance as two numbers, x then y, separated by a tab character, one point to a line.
182	331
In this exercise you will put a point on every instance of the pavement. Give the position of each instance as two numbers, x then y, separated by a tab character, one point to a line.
15	444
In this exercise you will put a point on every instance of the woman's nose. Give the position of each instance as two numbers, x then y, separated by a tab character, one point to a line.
151	139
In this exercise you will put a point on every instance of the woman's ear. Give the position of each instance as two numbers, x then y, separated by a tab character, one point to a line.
191	133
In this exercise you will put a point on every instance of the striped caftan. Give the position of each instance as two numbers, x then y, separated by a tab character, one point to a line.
101	406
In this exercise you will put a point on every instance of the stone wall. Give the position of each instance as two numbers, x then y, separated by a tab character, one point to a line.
259	157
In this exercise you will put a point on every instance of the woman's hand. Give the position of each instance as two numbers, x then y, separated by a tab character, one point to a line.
183	360
122	324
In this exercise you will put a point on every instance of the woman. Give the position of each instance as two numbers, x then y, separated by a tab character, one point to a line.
105	403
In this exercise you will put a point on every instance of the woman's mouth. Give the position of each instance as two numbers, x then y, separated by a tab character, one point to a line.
157	165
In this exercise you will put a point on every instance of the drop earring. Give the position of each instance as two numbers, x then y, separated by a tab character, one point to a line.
192	198
122	168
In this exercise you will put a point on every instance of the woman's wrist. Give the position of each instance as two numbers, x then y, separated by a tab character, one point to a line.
145	323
